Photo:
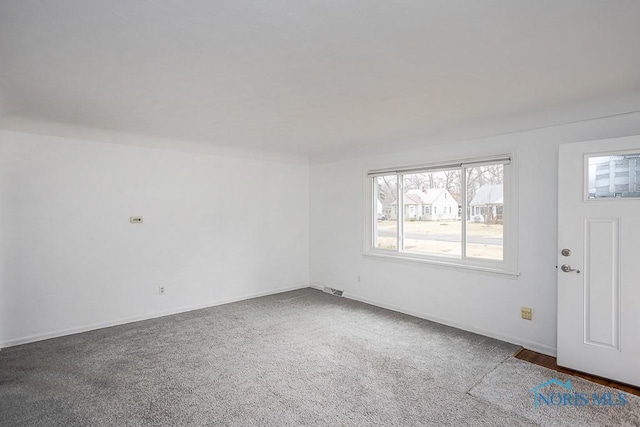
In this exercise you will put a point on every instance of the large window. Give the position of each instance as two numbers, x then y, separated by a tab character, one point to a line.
459	213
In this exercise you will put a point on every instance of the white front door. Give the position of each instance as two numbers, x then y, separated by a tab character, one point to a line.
599	258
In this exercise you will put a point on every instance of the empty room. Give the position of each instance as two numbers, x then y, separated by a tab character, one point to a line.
291	213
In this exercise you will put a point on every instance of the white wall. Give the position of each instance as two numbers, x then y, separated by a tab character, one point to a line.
488	304
72	261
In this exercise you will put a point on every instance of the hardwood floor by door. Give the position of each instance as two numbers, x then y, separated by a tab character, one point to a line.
550	363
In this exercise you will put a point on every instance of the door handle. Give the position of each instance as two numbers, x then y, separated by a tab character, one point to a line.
567	269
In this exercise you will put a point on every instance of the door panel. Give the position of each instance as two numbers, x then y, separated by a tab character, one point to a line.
598	288
602	282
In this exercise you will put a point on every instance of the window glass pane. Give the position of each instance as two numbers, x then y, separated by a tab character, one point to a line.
614	176
385	212
432	213
485	212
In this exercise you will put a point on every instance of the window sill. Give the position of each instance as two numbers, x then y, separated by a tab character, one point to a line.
416	259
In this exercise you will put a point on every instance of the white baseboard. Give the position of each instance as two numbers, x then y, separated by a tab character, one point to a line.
540	348
92	327
530	345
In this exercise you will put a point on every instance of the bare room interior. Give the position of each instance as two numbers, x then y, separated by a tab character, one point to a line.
292	213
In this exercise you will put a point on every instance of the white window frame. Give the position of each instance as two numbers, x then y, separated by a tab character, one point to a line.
508	266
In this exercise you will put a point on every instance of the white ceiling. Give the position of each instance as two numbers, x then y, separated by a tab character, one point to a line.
309	77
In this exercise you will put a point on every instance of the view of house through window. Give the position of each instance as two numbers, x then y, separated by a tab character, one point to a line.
386	229
485	207
454	212
432	213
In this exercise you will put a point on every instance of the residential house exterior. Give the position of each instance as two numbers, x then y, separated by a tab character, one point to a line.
428	204
487	205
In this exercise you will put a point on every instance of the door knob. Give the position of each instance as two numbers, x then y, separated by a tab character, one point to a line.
567	269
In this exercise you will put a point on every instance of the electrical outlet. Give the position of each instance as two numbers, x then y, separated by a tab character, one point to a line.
161	290
526	313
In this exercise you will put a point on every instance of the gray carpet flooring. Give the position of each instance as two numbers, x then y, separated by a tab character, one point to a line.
296	358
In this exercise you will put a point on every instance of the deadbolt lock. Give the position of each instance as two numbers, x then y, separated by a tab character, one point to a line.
566	252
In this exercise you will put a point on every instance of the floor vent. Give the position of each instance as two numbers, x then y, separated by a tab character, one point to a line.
332	291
